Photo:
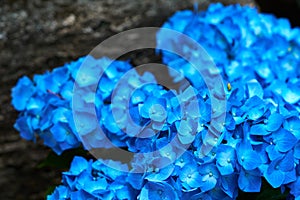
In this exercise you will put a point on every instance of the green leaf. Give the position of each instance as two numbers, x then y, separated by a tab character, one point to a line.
267	192
62	161
49	191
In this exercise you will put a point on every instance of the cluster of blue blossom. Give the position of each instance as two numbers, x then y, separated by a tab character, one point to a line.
181	180
258	56
45	104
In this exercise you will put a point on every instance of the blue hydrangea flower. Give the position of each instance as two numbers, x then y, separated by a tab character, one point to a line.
258	57
153	190
250	180
278	169
22	93
226	159
190	176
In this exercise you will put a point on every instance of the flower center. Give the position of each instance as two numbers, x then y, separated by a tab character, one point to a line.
159	192
229	87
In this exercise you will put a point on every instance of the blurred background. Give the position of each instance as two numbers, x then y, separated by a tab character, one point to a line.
39	35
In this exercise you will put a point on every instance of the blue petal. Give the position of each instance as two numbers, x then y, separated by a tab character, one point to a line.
89	72
60	192
225	159
274	122
138	97
297	151
284	140
292	95
273	153
210	176
78	165
67	90
157	113
293	125
35	105
21	93
250	181
295	188
59	132
255	89
189	175
50	141
85	123
251	160
287	162
158	191
136	180
290	177
255	113
60	75
186	139
274	176
259	129
264	71
230	185
208	183
247	157
23	125
161	174
60	115
125	192
230	122
96	186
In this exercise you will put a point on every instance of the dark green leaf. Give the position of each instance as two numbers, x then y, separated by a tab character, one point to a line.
62	161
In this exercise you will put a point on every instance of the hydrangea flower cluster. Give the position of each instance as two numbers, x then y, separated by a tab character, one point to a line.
259	60
44	106
259	57
45	103
154	116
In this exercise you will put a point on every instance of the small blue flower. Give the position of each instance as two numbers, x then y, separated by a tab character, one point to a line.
226	159
274	122
64	136
89	72
250	180
186	131
22	92
292	124
78	165
159	174
275	173
209	176
247	157
23	124
185	159
254	108
280	141
158	191
190	176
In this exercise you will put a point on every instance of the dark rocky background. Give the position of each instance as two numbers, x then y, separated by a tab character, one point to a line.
39	35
